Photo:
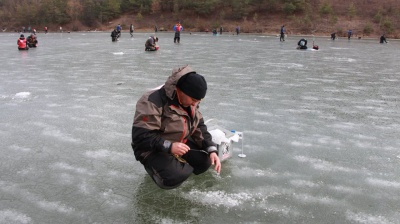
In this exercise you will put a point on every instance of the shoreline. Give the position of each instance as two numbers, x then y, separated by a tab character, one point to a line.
224	33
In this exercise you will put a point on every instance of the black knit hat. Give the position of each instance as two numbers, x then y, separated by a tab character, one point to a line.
193	85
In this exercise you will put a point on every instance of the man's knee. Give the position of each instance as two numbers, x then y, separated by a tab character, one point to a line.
203	167
170	178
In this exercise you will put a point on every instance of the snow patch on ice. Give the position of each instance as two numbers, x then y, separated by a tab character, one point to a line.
383	183
22	95
11	216
219	198
360	217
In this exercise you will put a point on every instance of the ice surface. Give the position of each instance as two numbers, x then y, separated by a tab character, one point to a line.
321	130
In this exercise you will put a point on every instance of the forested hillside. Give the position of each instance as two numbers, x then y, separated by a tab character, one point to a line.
364	17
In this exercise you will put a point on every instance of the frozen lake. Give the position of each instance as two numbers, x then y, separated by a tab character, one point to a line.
321	130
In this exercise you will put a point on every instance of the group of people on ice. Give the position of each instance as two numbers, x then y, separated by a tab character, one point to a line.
26	43
151	42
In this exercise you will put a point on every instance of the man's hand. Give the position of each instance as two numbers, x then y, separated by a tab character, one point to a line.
179	148
215	161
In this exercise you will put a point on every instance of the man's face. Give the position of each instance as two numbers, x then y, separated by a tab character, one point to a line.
186	100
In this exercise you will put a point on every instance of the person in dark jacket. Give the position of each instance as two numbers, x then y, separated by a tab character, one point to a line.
282	36
302	44
131	29
151	44
32	41
114	35
169	136
333	36
383	39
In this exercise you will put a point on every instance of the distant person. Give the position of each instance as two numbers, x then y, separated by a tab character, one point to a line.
34	31
220	30
46	29
215	32
155	29
21	42
131	29
169	136
61	30
237	30
119	29
333	36
178	28
32	41
383	39
282	37
302	44
114	35
349	34
151	44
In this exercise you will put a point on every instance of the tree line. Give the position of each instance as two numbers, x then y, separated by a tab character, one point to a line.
93	12
89	12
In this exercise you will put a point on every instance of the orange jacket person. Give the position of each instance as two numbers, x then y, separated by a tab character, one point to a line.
178	28
21	42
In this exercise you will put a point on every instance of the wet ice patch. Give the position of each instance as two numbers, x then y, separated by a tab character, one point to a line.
113	200
118	174
12	216
118	53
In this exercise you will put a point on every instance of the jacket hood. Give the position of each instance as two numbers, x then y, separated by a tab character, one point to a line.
170	84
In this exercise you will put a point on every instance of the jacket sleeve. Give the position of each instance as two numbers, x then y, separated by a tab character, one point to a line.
207	143
146	128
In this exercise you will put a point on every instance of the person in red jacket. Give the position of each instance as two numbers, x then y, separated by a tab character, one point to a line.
178	28
21	42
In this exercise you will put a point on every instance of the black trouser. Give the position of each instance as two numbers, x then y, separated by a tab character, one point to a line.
177	37
168	172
